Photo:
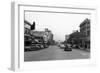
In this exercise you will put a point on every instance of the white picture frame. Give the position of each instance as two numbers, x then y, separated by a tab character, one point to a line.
17	33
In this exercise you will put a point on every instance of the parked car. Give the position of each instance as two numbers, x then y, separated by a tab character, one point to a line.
36	44
75	46
67	47
39	43
45	44
62	46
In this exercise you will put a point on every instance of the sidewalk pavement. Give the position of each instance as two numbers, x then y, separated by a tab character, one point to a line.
85	49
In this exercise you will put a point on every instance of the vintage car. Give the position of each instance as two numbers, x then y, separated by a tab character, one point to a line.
62	46
38	43
68	47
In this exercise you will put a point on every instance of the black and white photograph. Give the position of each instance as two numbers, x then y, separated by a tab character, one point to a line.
50	35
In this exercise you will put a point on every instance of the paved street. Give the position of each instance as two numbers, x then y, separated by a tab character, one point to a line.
55	53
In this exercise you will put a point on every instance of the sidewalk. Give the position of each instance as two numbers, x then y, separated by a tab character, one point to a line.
88	50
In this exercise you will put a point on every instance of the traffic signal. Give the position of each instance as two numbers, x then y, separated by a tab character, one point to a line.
33	26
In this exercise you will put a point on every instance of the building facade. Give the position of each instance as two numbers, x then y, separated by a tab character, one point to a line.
27	27
66	37
85	30
49	35
46	35
85	27
27	35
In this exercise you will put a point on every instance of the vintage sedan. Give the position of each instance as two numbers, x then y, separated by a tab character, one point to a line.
68	47
62	46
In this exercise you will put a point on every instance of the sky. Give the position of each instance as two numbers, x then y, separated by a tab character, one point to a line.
59	23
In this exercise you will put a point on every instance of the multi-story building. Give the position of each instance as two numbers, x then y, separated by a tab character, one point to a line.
27	27
85	30
27	35
47	35
85	27
66	37
30	34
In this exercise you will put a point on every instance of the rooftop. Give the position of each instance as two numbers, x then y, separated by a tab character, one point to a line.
85	21
25	21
